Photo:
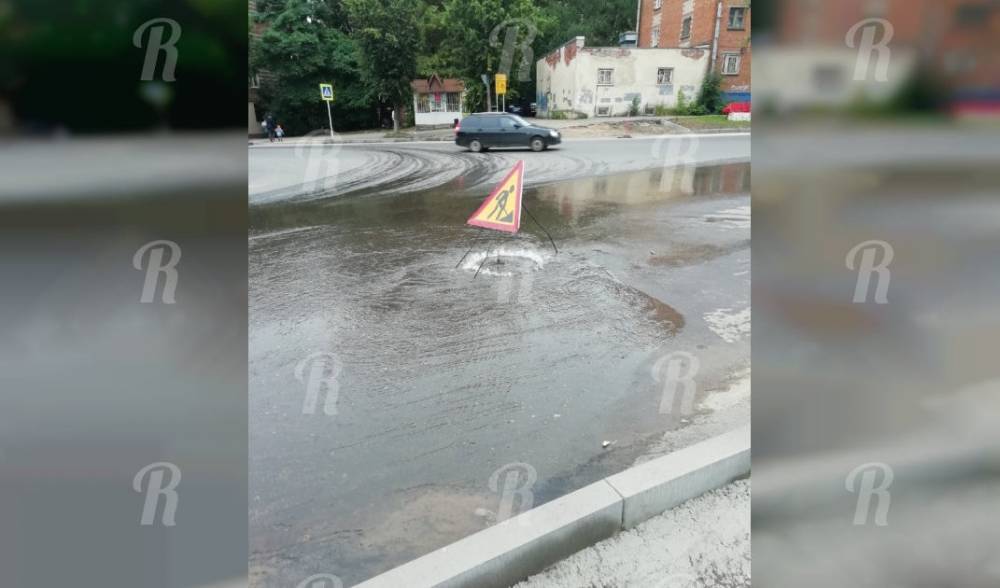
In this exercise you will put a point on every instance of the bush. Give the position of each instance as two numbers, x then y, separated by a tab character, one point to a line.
710	97
661	110
685	108
633	109
558	115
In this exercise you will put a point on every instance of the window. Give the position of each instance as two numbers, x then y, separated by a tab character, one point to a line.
486	122
664	75
731	64
736	16
438	102
657	4
654	38
506	122
454	102
423	103
972	14
686	28
604	77
828	78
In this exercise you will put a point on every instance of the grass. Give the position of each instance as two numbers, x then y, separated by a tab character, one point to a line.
709	121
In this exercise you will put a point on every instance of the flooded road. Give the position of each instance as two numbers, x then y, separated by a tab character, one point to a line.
389	381
316	170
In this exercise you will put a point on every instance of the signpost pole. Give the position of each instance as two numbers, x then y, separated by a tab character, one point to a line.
329	116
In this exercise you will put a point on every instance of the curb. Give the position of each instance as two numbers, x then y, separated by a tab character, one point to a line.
516	548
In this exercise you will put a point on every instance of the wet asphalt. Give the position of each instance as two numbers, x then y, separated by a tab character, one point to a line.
431	376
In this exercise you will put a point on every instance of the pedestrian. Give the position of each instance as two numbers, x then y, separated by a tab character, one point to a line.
280	132
271	127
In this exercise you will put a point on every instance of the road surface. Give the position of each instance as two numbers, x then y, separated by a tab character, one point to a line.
318	170
390	383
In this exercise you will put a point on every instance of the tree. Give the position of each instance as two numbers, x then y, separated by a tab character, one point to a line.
473	36
388	35
305	45
710	97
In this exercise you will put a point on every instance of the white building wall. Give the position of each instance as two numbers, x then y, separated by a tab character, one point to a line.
807	77
573	86
435	118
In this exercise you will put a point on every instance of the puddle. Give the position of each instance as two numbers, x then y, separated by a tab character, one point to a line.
442	375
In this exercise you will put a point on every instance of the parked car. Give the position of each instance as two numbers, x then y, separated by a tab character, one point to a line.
736	107
522	107
483	130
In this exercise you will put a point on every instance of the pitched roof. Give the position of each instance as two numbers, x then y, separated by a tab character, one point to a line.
435	83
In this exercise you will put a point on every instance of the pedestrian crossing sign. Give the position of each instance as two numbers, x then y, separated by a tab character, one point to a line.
326	91
501	211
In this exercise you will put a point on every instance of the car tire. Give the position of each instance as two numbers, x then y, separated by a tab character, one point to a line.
475	146
537	144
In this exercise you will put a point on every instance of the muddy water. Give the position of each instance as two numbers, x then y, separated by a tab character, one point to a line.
453	351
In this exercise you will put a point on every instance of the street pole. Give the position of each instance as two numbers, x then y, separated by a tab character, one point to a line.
329	116
486	82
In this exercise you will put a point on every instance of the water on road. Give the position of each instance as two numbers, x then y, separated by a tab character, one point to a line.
389	380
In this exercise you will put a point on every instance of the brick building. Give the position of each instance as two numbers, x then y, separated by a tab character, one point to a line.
957	38
721	26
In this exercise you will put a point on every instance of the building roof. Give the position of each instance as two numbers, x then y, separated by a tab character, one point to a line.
436	83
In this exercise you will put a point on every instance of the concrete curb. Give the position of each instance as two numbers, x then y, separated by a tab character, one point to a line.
512	550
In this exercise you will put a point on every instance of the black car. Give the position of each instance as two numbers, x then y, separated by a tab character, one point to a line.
483	130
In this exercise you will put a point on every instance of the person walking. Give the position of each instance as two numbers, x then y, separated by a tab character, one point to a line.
271	127
280	132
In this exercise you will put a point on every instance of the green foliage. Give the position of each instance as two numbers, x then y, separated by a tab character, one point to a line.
661	110
87	45
388	35
686	108
372	49
921	92
302	48
710	97
633	108
600	21
459	36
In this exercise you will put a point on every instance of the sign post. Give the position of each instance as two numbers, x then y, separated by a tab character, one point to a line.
326	92
501	83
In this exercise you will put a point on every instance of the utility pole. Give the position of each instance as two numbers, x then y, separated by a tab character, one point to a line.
489	103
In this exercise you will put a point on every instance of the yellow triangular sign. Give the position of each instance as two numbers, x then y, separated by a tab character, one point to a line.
501	211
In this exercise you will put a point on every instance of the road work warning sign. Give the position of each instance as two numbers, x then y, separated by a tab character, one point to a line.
501	211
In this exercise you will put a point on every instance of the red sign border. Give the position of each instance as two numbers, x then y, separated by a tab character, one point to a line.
518	167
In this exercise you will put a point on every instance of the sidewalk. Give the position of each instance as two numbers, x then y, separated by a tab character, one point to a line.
610	127
704	541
